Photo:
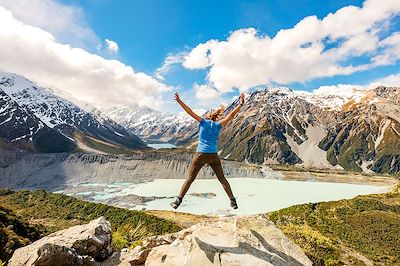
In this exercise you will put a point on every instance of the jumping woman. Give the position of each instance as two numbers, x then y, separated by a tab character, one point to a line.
206	153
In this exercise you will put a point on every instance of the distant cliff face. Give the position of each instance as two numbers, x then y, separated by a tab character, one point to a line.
54	170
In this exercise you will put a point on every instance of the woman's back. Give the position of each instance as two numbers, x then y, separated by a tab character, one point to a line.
208	136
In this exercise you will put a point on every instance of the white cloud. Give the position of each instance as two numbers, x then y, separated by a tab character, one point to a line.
36	54
312	48
170	60
344	90
199	56
66	23
205	92
349	90
388	81
112	46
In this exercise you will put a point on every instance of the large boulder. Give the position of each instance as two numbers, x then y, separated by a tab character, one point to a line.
78	245
230	241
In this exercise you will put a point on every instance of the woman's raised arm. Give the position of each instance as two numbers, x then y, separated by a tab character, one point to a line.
187	108
232	114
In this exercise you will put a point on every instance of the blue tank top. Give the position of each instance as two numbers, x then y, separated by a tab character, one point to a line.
208	136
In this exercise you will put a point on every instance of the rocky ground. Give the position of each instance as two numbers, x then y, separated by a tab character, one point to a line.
252	240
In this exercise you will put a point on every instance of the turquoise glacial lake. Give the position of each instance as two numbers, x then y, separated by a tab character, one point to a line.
206	196
161	145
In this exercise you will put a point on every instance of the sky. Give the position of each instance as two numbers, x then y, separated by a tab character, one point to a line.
110	53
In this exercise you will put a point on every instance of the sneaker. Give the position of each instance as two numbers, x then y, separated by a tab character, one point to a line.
233	203
175	204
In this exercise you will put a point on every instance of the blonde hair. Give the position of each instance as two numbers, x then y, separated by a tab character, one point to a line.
216	114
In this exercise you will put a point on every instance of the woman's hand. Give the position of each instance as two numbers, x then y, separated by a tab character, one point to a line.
241	99
177	97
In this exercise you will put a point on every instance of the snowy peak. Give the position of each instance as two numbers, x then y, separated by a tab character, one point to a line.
152	125
16	123
22	129
66	117
51	109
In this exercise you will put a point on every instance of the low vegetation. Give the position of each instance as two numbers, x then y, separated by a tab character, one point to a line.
38	213
352	232
15	233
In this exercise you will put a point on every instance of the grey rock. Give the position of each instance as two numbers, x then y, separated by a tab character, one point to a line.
78	245
250	240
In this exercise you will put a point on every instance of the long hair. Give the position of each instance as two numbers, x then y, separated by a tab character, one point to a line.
216	114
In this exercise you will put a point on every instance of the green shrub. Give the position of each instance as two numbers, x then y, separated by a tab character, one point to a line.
328	231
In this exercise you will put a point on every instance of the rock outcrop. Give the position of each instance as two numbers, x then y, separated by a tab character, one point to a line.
230	241
78	245
251	240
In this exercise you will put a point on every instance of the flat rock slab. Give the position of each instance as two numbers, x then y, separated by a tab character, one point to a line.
251	240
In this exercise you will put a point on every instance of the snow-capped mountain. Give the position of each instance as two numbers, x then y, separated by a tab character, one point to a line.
89	129
23	129
153	125
359	132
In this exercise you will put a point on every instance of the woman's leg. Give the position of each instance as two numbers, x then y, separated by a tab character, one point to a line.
195	166
216	166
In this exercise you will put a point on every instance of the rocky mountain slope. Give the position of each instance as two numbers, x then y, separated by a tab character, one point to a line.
366	135
23	129
281	126
152	125
87	129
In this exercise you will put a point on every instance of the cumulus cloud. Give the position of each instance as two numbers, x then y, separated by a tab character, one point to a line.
112	46
205	92
169	61
313	48
65	22
36	54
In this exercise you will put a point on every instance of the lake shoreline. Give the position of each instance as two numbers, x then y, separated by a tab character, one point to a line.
333	176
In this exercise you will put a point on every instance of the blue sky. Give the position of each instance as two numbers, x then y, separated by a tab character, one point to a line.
147	32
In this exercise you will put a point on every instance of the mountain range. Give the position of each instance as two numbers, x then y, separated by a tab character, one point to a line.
282	126
155	126
34	117
356	131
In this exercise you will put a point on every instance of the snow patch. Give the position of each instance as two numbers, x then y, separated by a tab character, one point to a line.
116	133
308	151
365	166
381	133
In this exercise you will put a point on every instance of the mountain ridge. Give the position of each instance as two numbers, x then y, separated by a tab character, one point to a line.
70	120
